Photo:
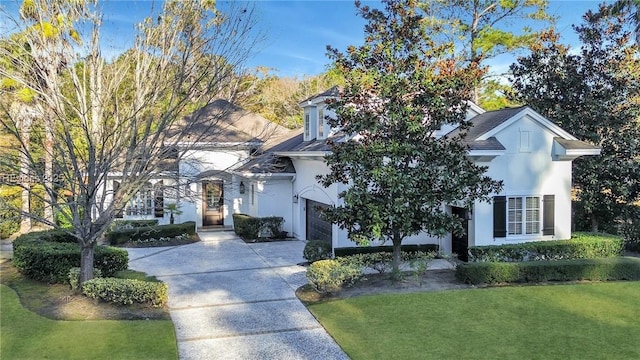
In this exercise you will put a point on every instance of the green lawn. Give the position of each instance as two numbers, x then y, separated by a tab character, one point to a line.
26	335
585	321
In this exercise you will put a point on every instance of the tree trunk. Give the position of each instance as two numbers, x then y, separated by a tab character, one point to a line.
594	223
48	172
86	262
397	257
25	223
24	116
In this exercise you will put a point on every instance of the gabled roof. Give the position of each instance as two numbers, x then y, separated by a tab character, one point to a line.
268	162
331	92
223	122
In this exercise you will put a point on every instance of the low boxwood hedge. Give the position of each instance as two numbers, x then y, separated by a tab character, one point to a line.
346	251
47	257
249	227
580	246
124	235
127	291
617	268
128	224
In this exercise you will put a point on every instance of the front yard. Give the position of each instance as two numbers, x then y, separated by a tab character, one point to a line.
577	321
27	335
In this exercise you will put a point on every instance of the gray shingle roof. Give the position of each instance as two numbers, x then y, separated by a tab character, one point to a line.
331	92
575	144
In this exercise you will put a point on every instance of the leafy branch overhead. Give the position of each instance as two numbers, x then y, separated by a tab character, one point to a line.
401	89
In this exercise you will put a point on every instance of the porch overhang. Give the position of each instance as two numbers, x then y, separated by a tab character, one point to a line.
568	150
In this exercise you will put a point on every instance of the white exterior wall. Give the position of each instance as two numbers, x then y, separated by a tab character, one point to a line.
276	199
196	162
526	169
306	187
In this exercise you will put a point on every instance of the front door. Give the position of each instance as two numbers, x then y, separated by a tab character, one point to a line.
212	203
460	244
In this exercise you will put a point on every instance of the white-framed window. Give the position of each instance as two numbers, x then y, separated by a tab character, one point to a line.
524	215
321	123
148	201
307	125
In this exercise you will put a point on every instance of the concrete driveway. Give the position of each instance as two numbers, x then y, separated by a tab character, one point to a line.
232	300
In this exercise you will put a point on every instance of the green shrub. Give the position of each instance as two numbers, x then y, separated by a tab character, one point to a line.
9	217
127	291
332	275
631	235
53	235
382	261
273	225
581	246
617	268
48	256
249	227
124	235
130	224
316	250
74	276
346	251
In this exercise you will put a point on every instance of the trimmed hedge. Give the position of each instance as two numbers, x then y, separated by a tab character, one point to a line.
48	257
249	227
315	250
618	268
54	235
346	251
129	224
127	291
581	246
122	236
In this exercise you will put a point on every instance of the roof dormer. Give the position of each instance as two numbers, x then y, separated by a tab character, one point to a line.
315	114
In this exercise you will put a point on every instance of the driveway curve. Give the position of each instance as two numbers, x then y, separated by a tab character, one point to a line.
232	300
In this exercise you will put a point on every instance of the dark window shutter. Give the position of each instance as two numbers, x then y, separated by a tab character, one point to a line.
159	200
499	216
548	209
116	186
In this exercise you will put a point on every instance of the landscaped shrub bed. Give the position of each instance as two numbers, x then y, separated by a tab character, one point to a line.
127	291
249	227
617	268
50	261
346	251
581	246
122	236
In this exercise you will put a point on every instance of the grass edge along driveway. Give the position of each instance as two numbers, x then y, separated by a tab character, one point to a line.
576	321
26	335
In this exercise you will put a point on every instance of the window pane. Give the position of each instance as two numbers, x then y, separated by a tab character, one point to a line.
515	216
532	217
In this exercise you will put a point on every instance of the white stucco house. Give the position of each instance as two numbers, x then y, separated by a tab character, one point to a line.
276	176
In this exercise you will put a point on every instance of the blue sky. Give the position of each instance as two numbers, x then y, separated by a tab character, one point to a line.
299	31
